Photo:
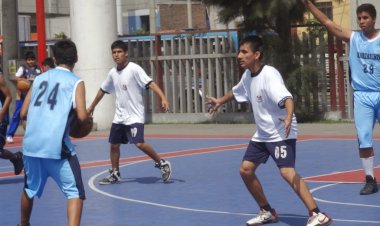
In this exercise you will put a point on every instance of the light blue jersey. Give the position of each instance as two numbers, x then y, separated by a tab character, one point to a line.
53	95
365	62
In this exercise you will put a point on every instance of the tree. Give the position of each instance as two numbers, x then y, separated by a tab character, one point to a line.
262	15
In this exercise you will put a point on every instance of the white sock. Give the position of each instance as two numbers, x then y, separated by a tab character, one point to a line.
368	165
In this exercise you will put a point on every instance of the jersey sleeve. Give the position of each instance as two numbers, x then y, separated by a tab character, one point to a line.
20	72
141	77
240	92
107	85
277	90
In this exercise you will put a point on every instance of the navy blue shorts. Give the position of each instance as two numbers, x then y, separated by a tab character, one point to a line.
124	134
282	152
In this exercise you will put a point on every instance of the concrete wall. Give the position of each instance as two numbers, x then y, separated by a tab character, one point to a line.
174	16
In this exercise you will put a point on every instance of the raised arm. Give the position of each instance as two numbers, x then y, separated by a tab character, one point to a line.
332	27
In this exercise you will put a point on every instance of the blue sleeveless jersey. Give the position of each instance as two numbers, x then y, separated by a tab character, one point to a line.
47	128
364	60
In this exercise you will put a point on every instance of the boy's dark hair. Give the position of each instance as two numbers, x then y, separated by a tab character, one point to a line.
256	43
65	52
29	55
48	62
369	8
119	44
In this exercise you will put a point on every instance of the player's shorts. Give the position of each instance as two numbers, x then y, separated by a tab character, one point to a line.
65	172
124	134
283	152
366	111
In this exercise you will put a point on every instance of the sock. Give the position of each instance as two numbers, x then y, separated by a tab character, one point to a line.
267	207
368	166
315	210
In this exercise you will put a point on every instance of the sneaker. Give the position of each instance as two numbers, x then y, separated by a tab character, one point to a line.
319	219
9	140
166	169
264	217
18	164
370	186
113	178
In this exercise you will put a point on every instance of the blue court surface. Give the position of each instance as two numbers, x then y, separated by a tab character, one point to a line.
205	188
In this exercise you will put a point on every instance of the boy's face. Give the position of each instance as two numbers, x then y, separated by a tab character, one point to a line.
246	57
365	21
31	62
119	56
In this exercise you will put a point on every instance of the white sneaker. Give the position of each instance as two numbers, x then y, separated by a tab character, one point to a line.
264	217
320	219
9	140
112	178
165	168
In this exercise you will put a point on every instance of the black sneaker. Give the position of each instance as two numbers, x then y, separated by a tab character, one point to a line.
113	178
370	186
165	168
18	164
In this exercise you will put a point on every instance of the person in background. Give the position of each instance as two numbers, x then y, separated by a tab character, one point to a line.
364	63
29	71
48	63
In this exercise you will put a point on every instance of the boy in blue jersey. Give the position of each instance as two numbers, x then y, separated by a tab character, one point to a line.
27	71
364	60
5	100
53	97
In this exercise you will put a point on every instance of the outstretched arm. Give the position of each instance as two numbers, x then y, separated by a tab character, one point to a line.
332	27
95	102
164	101
217	102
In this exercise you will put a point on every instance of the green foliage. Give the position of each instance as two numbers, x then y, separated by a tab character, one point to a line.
262	15
60	35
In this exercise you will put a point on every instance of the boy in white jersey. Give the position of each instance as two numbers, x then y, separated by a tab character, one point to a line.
128	80
276	134
364	60
54	96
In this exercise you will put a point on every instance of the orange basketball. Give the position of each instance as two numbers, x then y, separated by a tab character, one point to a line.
80	129
23	85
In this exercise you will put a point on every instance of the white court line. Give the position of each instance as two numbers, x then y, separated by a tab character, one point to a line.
339	203
91	184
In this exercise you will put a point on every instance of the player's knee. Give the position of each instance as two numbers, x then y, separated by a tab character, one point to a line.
246	171
115	148
287	173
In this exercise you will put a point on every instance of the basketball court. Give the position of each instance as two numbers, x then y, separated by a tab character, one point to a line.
205	188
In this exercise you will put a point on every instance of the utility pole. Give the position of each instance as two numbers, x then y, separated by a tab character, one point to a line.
189	15
10	34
